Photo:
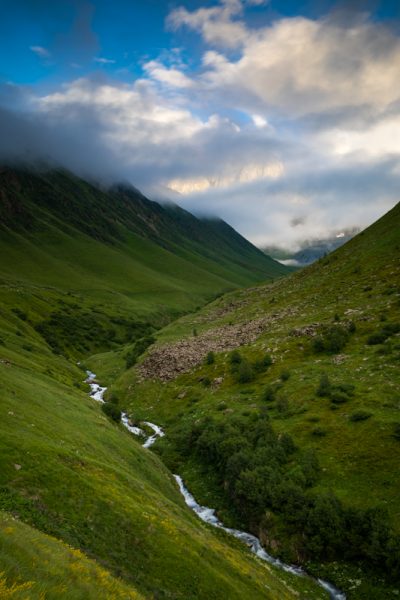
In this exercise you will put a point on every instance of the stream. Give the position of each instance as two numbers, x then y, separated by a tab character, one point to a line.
205	513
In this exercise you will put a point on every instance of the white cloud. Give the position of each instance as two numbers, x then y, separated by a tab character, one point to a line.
216	24
40	51
170	76
294	135
297	66
259	121
104	61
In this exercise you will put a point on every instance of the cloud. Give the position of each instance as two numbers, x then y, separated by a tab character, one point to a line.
104	61
297	66
216	24
289	131
169	76
40	51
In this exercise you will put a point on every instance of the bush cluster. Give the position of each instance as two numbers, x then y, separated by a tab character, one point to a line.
138	349
112	411
333	338
261	472
383	334
245	371
338	393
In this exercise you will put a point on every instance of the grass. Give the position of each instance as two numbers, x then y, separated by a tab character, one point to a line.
357	287
86	512
68	472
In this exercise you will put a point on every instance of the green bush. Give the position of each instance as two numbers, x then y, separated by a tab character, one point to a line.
245	372
360	415
376	338
332	339
138	349
285	375
324	388
396	431
269	394
338	397
112	411
235	358
319	432
262	364
210	358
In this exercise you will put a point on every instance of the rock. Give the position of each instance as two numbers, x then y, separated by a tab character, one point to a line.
17	467
168	361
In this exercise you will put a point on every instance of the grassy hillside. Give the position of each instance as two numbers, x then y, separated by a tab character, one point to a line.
85	511
92	269
318	374
88	513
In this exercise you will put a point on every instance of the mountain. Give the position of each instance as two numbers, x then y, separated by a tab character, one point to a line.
282	412
310	250
85	510
113	254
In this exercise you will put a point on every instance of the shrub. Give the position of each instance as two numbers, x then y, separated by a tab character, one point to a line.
287	443
331	340
282	405
235	358
113	398
360	415
267	360
210	358
245	372
396	431
285	375
269	394
138	349
206	381
352	327
391	328
339	397
262	364
376	338
111	411
319	432
195	334
324	388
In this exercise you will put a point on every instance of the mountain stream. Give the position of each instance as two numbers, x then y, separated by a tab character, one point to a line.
203	512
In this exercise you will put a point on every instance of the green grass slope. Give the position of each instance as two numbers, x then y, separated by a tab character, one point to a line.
176	249
88	513
331	333
85	511
72	253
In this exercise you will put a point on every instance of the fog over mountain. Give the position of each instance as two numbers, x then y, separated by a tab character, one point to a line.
287	126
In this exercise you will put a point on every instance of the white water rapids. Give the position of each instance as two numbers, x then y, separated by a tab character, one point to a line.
203	512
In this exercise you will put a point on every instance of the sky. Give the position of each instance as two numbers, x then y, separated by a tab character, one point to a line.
280	116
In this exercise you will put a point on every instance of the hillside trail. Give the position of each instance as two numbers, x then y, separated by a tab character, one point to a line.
205	513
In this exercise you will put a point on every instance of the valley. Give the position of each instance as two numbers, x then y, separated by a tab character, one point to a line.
277	392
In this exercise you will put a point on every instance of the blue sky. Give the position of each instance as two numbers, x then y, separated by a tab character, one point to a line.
282	117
